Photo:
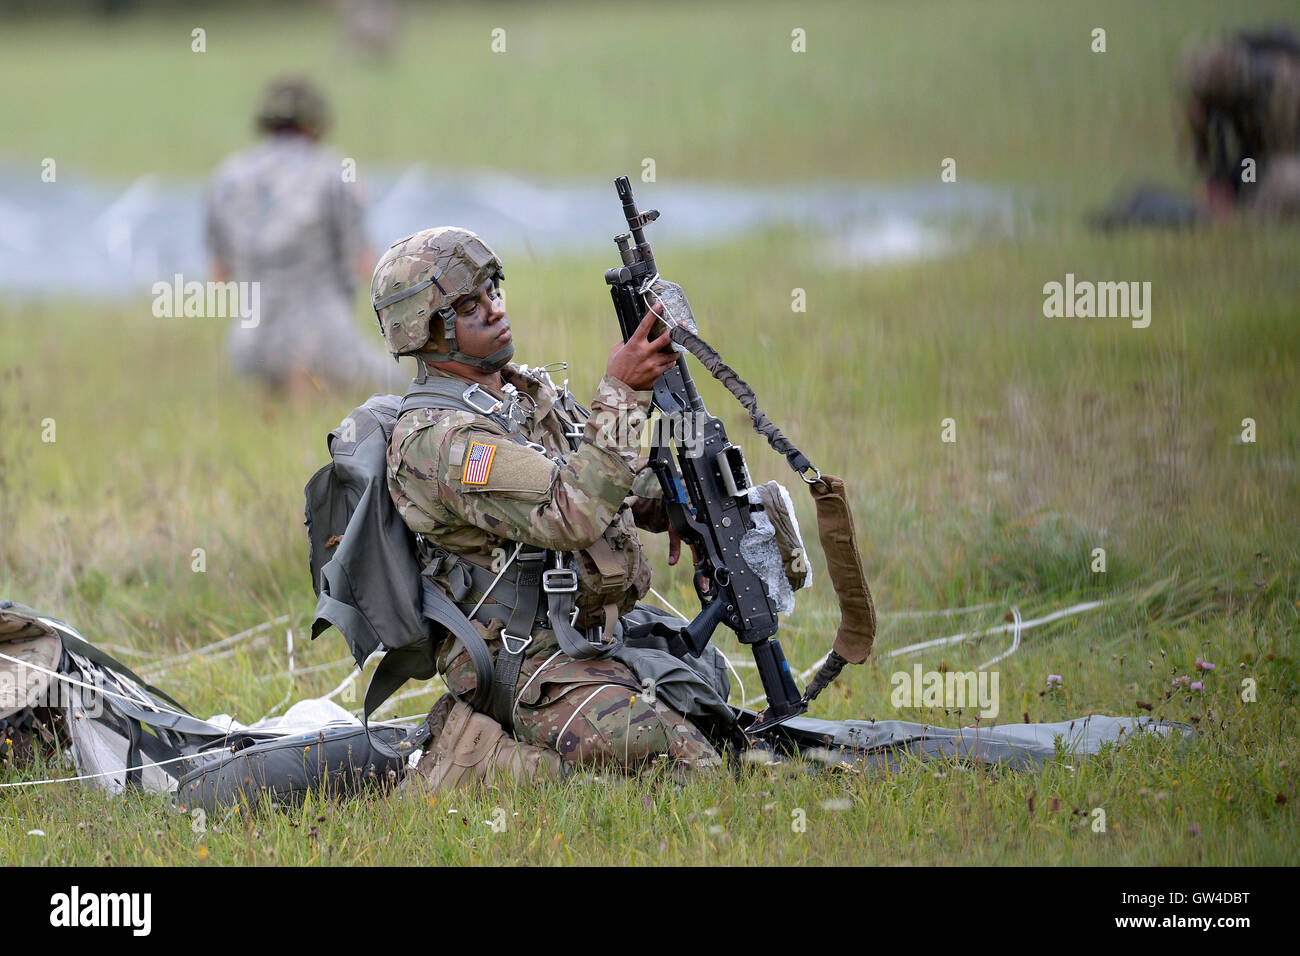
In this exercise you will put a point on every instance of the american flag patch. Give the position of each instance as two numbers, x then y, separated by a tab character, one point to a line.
478	463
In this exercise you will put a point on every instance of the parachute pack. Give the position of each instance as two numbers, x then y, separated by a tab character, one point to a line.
63	698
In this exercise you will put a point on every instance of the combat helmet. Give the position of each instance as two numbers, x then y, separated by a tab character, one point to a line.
293	101
451	261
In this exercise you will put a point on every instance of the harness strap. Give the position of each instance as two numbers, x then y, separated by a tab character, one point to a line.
517	635
416	661
571	640
518	594
518	603
448	394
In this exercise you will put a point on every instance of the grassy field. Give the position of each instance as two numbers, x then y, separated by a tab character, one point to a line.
1009	88
1072	434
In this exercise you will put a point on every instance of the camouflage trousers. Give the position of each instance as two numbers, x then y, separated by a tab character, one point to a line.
592	712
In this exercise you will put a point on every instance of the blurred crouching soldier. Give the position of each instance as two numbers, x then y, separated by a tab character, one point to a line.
284	214
1243	111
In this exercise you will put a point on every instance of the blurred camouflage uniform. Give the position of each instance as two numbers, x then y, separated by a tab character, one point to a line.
281	214
1244	103
538	470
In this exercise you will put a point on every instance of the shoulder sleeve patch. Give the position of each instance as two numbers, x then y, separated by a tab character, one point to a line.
517	472
478	463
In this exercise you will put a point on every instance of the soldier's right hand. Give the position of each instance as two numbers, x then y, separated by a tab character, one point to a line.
641	360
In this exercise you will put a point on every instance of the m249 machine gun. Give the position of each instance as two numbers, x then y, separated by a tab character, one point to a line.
707	492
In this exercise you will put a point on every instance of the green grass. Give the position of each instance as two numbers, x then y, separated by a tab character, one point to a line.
1071	434
1008	88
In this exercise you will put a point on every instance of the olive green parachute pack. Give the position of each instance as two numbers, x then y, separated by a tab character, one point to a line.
365	564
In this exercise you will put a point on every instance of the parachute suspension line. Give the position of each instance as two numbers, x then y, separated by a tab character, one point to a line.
1018	626
736	674
288	694
67	678
103	773
217	645
577	710
1014	627
504	568
664	601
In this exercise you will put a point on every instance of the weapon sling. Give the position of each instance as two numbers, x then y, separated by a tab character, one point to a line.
835	529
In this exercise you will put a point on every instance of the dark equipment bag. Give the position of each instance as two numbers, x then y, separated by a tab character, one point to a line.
335	761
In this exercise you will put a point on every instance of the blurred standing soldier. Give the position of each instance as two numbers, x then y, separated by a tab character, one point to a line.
371	28
1243	103
284	213
526	505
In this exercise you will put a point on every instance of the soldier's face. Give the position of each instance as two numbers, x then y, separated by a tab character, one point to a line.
482	326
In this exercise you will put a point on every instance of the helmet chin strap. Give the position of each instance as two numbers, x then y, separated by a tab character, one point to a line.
491	363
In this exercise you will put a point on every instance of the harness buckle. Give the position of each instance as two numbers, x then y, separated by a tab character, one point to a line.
560	581
523	643
514	409
466	396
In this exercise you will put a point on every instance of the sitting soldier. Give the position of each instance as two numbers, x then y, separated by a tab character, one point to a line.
525	506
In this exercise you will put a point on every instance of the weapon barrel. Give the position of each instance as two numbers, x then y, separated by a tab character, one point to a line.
635	223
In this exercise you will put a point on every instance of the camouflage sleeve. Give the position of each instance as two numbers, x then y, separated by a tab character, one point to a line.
647	502
465	467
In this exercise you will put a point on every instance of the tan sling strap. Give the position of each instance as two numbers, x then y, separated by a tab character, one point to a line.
857	630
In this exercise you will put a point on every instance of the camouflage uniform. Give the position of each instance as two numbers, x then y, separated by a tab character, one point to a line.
590	501
1244	102
280	214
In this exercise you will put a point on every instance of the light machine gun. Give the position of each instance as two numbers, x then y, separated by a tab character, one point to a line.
705	490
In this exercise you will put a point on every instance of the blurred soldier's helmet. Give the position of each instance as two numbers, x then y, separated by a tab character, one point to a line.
415	283
293	101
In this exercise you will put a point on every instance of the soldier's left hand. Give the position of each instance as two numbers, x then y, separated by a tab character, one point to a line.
675	546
